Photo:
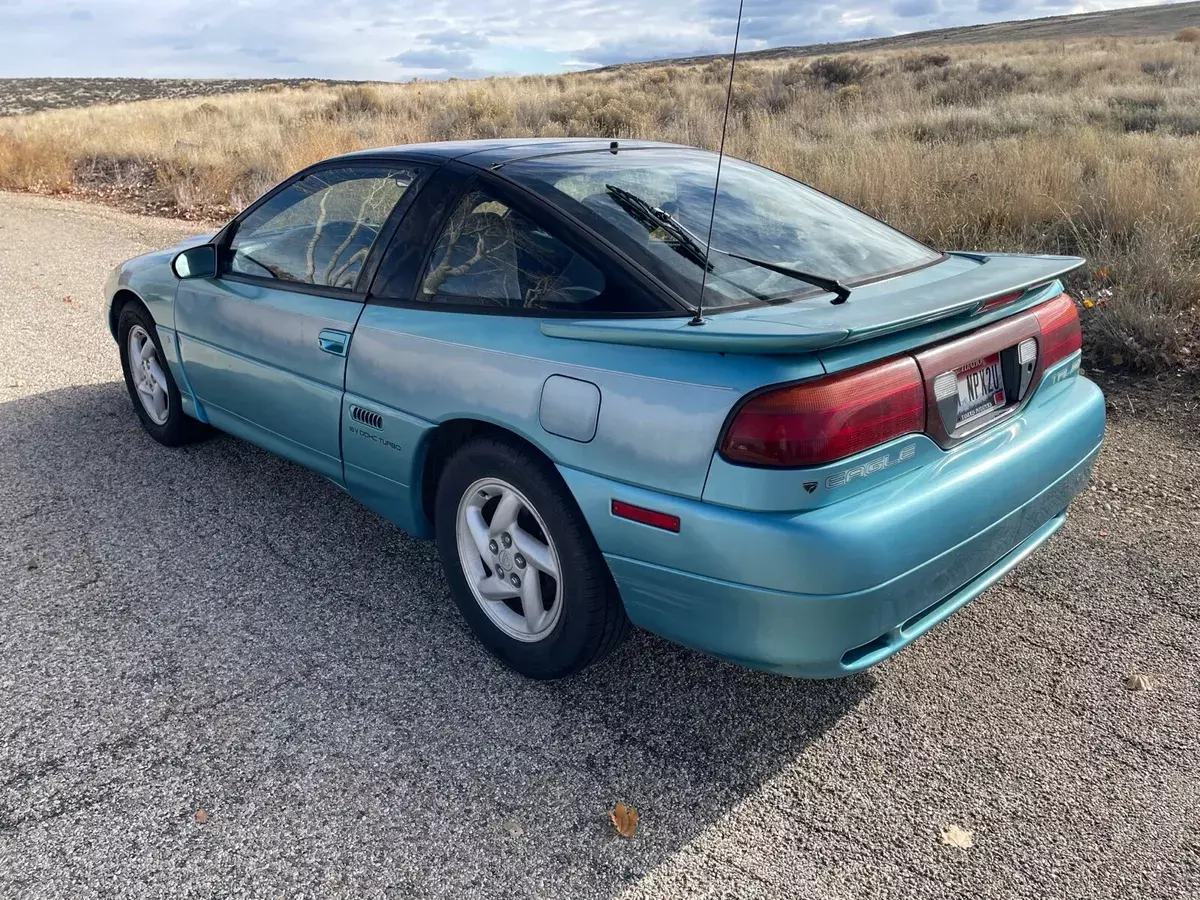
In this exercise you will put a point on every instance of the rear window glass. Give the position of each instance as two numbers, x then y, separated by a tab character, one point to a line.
759	214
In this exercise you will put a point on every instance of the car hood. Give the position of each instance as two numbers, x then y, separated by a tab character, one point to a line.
148	262
194	241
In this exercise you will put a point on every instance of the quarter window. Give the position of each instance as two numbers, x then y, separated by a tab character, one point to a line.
491	255
320	229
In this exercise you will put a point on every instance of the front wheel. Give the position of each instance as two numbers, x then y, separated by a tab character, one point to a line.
148	379
523	567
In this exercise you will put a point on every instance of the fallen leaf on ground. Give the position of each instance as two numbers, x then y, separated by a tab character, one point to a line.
201	816
958	837
624	818
512	828
1137	682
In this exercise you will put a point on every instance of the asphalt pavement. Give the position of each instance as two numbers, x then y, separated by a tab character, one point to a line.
216	629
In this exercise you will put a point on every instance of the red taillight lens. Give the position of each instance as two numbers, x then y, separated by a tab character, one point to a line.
820	421
1061	335
1002	300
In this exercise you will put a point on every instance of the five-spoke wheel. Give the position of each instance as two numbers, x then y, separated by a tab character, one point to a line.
509	560
523	566
148	375
148	379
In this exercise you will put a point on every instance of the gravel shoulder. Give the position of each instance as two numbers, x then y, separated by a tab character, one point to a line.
215	628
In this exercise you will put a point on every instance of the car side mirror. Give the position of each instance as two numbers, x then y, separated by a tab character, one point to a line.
196	262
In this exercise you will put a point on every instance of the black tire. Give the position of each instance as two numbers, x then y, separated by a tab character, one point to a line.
179	428
592	621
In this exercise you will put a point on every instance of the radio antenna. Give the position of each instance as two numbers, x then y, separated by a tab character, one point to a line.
698	319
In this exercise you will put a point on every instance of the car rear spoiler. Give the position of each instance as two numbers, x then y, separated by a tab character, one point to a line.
814	324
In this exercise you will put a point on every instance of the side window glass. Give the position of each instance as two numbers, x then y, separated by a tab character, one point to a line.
491	255
320	229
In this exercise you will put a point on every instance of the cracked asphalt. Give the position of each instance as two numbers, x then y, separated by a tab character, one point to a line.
215	628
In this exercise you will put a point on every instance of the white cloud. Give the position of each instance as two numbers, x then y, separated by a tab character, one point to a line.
856	18
399	39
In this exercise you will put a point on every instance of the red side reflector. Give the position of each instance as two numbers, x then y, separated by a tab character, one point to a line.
1061	334
826	419
623	510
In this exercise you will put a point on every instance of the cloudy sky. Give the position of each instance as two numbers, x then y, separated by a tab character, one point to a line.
402	39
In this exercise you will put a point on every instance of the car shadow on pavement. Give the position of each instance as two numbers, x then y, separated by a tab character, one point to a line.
213	627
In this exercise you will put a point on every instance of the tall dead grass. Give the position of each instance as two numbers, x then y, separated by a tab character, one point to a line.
1089	147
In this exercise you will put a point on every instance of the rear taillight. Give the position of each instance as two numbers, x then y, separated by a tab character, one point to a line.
1058	320
827	419
1002	300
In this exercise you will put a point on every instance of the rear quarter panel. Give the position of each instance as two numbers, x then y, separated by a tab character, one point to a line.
660	411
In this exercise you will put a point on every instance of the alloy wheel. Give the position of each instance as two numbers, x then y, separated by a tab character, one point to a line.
509	560
148	375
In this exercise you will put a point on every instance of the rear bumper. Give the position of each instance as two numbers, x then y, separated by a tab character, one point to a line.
834	590
828	636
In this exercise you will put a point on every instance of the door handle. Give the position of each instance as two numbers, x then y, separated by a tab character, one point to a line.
335	342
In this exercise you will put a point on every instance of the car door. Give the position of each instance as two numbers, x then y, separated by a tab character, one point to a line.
264	343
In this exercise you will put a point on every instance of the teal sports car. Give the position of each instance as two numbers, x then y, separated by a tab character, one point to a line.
780	431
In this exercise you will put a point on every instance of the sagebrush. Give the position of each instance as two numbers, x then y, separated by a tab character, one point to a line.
1090	147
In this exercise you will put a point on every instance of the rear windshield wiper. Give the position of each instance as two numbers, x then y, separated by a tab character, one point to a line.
653	217
693	248
826	284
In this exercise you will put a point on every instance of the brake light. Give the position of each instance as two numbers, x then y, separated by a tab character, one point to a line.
827	419
1058	320
1002	300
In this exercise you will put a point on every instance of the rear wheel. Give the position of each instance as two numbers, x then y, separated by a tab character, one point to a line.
523	567
148	379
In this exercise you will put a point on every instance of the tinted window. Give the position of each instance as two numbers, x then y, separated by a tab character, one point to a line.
489	254
320	229
759	213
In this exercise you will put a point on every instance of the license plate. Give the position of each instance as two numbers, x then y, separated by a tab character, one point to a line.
980	389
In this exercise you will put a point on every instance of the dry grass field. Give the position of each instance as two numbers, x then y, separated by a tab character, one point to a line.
1087	146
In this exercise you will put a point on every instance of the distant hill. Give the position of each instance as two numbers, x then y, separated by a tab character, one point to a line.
1141	21
26	95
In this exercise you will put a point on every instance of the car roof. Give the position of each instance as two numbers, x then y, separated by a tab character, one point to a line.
493	151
